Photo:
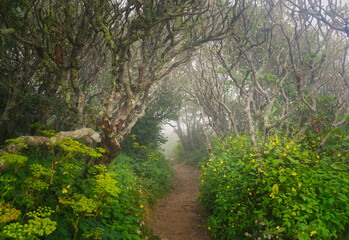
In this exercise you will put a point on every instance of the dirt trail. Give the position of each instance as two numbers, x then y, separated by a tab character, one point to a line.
178	216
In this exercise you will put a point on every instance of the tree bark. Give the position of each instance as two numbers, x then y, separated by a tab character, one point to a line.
87	133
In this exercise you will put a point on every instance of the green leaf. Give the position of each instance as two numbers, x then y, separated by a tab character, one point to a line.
331	200
293	160
301	236
275	188
276	162
282	178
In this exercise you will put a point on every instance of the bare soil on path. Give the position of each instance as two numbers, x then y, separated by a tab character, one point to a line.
178	216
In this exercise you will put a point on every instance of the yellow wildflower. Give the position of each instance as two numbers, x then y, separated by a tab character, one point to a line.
228	186
312	233
317	157
294	174
273	144
142	206
291	142
227	150
252	160
64	190
299	184
287	147
285	154
295	149
231	137
210	160
281	170
65	173
68	186
272	195
203	166
202	180
339	154
214	169
221	162
293	189
209	228
225	175
294	213
278	227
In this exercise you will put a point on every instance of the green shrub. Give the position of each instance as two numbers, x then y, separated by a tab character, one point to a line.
57	195
152	167
286	191
193	157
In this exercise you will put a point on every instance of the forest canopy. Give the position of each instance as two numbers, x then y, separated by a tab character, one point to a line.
95	66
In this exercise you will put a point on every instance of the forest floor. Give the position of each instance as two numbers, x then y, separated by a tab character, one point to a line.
179	216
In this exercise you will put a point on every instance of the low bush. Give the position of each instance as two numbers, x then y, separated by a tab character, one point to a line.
286	191
152	167
58	194
192	157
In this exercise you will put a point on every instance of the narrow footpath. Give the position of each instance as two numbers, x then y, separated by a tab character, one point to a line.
178	216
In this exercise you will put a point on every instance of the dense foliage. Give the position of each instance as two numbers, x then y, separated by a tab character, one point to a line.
192	157
288	190
55	193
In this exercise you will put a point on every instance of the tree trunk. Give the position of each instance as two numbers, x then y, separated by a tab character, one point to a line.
109	141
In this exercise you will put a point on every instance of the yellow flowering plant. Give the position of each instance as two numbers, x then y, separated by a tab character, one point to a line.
277	195
58	194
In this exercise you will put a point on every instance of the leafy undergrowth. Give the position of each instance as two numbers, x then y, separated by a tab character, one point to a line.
190	157
58	194
287	191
